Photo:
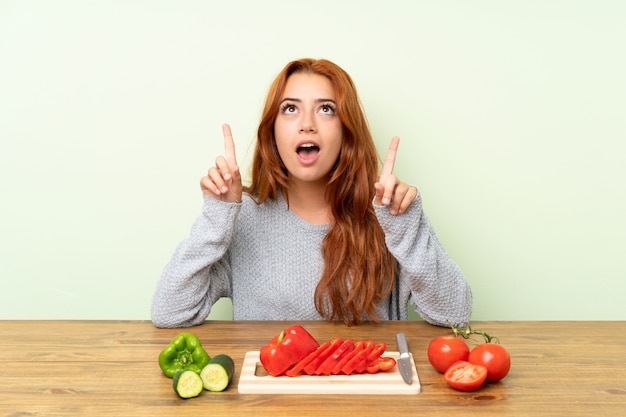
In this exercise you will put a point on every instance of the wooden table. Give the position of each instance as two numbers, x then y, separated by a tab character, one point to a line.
109	368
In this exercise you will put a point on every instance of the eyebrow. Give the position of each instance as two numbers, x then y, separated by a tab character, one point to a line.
317	100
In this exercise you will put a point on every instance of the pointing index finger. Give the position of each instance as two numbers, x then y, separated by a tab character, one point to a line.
229	146
390	159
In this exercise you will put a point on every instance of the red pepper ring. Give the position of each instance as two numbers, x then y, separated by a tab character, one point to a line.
382	364
369	348
327	366
377	351
359	360
312	366
358	346
350	367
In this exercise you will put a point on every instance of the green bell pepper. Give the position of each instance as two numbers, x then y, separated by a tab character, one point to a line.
184	352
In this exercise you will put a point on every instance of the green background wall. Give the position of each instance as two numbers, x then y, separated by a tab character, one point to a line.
511	114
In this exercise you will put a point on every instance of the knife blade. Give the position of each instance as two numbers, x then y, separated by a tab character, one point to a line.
404	362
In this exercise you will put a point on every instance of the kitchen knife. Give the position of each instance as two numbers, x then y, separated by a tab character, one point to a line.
404	362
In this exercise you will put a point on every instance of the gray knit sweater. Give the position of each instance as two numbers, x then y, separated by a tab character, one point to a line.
268	261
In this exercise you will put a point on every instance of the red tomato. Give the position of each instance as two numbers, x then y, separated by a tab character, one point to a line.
465	376
494	357
443	351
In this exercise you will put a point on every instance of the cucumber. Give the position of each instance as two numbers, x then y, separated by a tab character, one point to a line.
216	375
187	383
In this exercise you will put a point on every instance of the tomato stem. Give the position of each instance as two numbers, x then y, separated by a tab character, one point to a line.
465	331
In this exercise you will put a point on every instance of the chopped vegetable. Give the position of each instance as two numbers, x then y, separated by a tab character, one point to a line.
359	360
377	351
299	367
315	363
465	376
327	366
184	352
382	364
358	346
330	358
187	383
216	375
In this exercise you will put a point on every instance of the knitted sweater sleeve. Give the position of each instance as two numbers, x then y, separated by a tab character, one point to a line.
428	277
198	274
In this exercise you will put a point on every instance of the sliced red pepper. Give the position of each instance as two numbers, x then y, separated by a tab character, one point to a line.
377	351
286	349
312	366
329	363
298	367
369	348
356	348
382	364
359	360
350	367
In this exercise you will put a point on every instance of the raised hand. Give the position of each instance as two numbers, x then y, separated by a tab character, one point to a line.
390	190
223	181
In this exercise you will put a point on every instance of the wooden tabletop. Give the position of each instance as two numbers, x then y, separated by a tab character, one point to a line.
110	368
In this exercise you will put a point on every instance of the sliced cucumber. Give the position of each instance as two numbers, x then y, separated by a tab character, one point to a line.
187	383
216	375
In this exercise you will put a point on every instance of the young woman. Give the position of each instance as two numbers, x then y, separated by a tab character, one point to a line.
317	234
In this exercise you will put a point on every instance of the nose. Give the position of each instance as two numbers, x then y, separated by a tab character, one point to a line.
307	123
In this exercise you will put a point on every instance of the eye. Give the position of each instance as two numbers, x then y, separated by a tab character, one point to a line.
327	109
288	108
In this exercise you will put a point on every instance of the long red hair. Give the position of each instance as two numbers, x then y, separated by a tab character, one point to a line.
358	269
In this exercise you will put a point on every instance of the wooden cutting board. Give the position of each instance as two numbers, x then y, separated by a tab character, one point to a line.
254	380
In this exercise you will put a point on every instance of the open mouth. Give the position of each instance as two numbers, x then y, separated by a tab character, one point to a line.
308	150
